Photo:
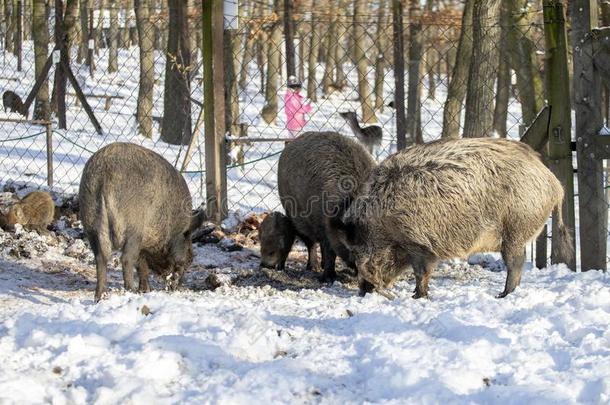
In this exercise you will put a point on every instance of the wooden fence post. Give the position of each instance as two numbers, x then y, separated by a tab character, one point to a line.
560	134
214	109
399	74
593	208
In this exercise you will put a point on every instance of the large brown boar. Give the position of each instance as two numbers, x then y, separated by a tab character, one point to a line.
449	199
133	200
318	175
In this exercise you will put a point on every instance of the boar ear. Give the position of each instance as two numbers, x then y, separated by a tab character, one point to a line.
197	220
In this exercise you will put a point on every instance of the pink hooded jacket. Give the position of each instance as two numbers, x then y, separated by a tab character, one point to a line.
295	110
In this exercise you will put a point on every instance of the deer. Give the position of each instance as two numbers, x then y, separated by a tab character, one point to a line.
369	136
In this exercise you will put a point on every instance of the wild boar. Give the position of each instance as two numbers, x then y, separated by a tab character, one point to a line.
34	212
318	175
277	235
449	199
11	101
132	199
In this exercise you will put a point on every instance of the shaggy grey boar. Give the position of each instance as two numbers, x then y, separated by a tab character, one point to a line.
449	199
318	175
34	212
133	200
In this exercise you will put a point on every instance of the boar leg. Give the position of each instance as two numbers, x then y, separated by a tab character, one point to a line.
312	253
514	258
101	253
328	262
143	271
129	258
422	276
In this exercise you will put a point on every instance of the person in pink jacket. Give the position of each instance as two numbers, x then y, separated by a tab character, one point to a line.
295	107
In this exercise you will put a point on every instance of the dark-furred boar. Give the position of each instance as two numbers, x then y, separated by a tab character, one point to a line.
318	175
132	199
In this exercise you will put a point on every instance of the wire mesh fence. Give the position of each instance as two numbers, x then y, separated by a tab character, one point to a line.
142	77
105	57
344	63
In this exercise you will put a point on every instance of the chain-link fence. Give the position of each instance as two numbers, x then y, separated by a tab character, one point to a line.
141	73
345	64
105	57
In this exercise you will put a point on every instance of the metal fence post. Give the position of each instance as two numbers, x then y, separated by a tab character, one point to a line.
49	130
19	36
214	109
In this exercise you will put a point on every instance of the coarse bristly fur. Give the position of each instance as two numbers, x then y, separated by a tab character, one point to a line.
319	173
449	199
131	199
34	212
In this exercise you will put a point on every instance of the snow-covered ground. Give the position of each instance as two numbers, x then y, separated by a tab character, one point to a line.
269	337
264	336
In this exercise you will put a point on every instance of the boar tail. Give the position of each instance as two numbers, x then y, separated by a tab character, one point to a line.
564	250
103	226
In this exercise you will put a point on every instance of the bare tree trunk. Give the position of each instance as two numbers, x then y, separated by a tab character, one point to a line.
452	113
249	43
40	32
3	24
340	57
125	31
70	18
270	109
330	53
413	89
176	128
232	53
605	17
83	47
312	60
147	69
289	38
362	63
483	67
503	84
113	32
27	19
9	14
525	64
261	57
380	63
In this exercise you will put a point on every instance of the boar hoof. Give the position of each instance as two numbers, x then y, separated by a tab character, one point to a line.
365	287
310	267
328	277
502	294
419	295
